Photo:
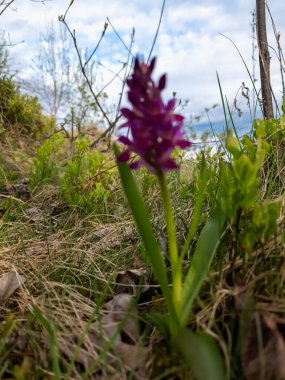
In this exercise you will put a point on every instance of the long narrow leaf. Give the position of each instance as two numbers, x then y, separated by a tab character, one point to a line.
203	177
54	352
145	230
6	331
233	123
202	353
205	249
223	102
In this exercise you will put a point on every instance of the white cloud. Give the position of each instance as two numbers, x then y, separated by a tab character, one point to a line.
189	47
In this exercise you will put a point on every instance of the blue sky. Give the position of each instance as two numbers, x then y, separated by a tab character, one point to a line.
189	47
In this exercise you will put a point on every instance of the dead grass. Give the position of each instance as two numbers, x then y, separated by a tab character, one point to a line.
71	262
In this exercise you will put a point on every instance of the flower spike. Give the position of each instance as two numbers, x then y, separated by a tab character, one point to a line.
155	128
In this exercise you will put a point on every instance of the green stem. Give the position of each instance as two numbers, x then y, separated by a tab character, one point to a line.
172	245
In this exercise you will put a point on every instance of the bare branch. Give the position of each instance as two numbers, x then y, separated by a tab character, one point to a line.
279	52
5	5
126	66
127	72
119	37
157	31
83	68
118	115
96	47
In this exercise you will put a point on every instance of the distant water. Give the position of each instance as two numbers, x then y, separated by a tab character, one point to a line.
214	129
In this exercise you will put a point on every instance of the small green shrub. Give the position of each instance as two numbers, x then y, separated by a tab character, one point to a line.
239	177
254	219
82	184
46	164
21	113
259	225
273	170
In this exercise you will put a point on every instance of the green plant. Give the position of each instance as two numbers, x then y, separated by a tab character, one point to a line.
46	164
240	195
21	113
52	334
82	184
155	133
239	180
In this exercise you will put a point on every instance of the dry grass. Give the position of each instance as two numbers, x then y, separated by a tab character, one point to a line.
70	263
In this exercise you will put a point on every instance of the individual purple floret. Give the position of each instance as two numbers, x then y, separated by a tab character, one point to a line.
155	129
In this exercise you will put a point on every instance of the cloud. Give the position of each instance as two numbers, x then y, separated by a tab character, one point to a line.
189	47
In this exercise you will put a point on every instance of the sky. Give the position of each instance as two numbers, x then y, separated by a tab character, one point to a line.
192	46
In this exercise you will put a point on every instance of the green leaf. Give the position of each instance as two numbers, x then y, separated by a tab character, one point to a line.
54	352
202	353
161	322
232	144
203	255
244	170
200	194
262	149
145	230
265	218
223	102
260	128
5	332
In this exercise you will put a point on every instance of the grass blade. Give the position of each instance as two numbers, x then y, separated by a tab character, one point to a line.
233	123
202	353
223	102
203	177
50	328
204	252
5	333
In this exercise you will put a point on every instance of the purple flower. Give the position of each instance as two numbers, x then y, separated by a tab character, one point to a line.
155	130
